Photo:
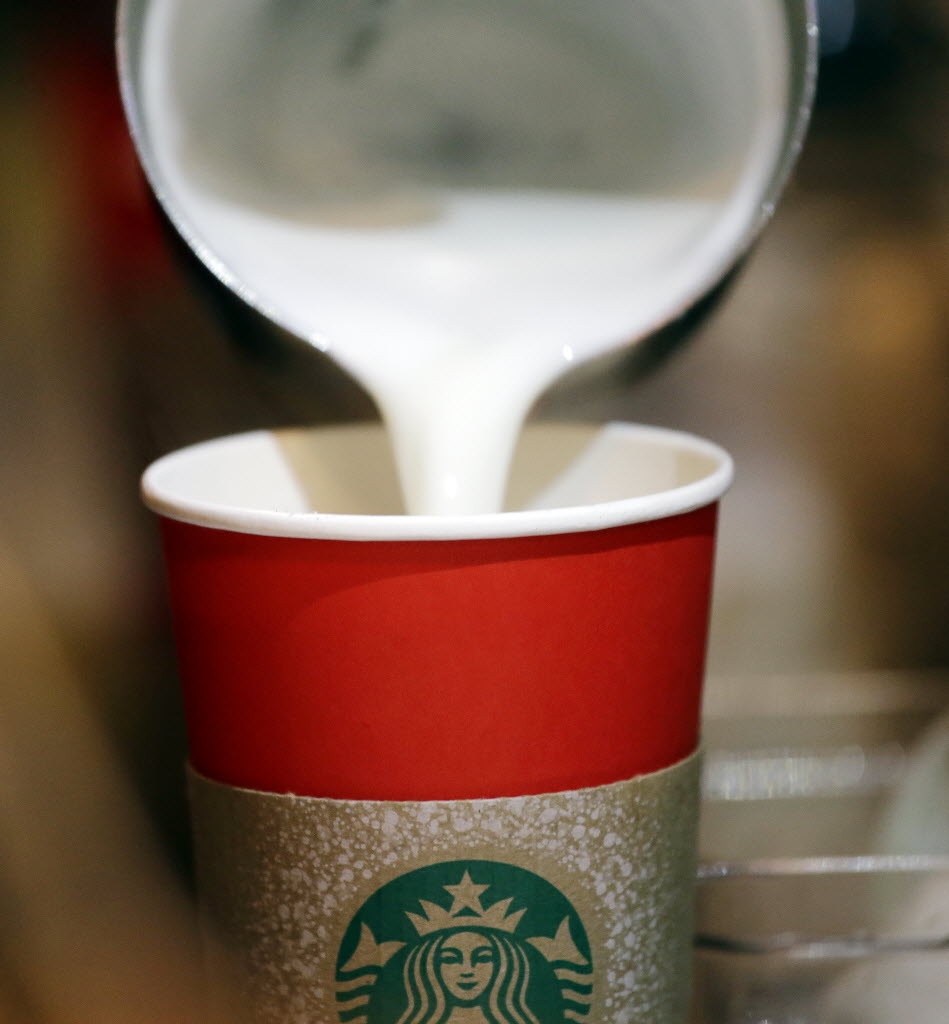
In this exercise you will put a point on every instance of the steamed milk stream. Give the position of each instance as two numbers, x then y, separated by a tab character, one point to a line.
455	304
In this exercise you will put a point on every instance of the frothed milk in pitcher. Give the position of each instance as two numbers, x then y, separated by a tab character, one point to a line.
459	201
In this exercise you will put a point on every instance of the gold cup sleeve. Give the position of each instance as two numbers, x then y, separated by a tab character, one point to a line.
346	911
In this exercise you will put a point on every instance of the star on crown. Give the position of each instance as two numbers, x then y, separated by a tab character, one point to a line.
466	909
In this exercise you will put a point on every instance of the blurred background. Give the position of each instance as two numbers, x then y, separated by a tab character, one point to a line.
825	372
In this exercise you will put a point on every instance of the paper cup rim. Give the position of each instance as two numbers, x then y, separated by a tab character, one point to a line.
161	497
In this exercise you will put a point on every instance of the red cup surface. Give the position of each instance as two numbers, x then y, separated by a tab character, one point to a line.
441	669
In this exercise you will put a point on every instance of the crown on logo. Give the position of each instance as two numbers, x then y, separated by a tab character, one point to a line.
466	909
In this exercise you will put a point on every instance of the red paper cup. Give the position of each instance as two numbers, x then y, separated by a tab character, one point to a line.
356	656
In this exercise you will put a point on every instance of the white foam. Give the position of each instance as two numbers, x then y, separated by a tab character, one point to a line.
455	305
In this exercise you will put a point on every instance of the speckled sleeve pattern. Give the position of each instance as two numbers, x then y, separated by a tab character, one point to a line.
573	906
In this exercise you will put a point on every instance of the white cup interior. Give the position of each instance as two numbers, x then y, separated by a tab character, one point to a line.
341	482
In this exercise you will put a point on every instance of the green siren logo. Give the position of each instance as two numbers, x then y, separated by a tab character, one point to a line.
465	942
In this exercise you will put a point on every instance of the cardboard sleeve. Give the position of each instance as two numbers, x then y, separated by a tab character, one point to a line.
335	910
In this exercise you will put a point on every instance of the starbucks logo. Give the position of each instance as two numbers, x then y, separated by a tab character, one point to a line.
465	942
